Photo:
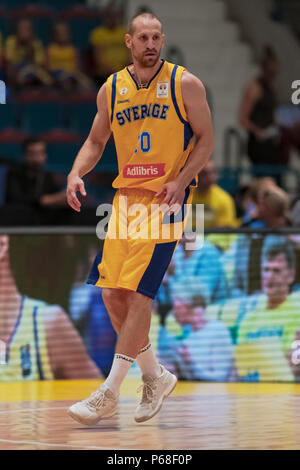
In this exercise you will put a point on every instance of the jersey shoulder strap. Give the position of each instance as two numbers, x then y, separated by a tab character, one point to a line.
111	86
176	92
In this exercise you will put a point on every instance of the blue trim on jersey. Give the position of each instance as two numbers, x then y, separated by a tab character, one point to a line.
171	219
188	132
162	63
15	329
148	84
94	273
174	95
36	342
136	83
113	96
153	276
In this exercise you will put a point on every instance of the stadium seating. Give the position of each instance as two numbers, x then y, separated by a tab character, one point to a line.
8	118
40	111
82	21
61	156
11	143
3	174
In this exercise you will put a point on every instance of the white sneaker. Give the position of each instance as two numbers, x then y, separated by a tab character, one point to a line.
155	390
101	404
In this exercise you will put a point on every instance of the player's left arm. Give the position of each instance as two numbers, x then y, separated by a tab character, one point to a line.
68	356
199	117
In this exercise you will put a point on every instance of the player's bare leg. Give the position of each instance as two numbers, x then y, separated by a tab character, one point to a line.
133	336
115	301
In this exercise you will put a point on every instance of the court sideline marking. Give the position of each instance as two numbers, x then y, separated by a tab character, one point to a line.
25	410
36	443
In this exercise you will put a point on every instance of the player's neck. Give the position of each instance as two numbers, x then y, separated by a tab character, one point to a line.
144	74
277	300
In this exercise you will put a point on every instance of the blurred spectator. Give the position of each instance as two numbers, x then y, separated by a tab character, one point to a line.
219	208
257	115
109	51
266	333
43	343
204	351
63	60
31	191
272	209
25	57
247	198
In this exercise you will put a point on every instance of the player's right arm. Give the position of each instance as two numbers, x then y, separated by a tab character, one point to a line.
91	151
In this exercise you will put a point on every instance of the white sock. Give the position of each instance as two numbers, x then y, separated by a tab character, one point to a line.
119	369
147	361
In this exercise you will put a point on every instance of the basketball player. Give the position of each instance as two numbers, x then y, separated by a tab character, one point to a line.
153	109
41	342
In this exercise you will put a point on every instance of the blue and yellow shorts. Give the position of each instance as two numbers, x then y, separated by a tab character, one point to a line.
139	243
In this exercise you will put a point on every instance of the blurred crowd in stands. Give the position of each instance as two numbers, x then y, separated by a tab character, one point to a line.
53	60
75	48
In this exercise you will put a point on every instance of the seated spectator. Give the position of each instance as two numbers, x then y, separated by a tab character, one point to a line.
63	60
32	193
272	209
25	57
247	199
109	51
219	208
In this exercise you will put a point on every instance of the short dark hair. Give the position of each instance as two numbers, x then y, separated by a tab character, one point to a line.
281	248
143	11
31	140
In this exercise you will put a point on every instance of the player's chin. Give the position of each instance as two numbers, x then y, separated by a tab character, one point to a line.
150	60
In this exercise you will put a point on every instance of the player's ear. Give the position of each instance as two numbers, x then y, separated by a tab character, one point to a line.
128	40
163	40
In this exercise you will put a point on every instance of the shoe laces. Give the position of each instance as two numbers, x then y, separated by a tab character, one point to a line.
96	400
149	392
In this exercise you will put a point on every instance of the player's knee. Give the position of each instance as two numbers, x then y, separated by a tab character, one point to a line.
111	297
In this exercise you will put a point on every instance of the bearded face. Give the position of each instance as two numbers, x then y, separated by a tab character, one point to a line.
145	58
146	42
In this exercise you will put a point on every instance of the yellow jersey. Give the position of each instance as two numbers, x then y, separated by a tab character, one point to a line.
264	337
62	57
26	354
18	54
149	123
219	209
114	53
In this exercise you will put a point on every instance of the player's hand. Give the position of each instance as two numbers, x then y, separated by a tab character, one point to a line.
75	184
173	196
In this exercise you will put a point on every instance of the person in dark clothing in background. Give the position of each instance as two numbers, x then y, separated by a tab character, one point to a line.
32	196
257	115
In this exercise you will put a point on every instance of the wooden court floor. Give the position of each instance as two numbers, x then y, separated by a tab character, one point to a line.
196	416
